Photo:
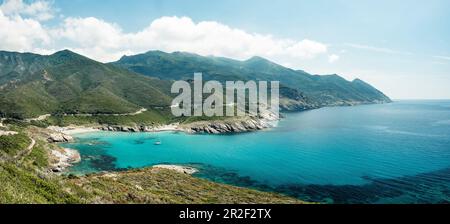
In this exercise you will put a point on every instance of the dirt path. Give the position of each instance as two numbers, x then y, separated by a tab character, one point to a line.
40	118
30	147
25	152
45	116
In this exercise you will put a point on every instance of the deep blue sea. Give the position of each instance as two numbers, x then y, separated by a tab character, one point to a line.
388	153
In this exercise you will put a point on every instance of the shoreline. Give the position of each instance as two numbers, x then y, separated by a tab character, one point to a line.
68	157
205	127
63	159
237	126
251	124
141	128
72	130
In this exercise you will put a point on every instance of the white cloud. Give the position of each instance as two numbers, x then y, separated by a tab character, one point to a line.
333	58
377	49
19	34
182	34
91	32
39	10
442	57
22	30
438	63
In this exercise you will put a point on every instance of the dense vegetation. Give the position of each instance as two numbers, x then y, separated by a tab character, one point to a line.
11	144
23	175
152	117
23	185
67	83
164	186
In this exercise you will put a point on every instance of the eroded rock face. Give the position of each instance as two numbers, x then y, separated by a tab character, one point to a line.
221	127
238	125
59	137
7	133
141	128
176	168
124	128
64	158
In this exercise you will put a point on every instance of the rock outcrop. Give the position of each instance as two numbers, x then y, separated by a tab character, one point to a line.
140	128
7	133
64	158
222	127
231	125
176	168
59	137
266	119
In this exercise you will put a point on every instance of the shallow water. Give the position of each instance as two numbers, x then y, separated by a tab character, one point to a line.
390	153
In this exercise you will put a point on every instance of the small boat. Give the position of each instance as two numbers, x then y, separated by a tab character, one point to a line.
158	142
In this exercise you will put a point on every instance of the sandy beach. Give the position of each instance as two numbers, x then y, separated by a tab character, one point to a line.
72	130
169	127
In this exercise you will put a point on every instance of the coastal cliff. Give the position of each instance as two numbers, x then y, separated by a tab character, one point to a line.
231	126
219	126
62	158
207	127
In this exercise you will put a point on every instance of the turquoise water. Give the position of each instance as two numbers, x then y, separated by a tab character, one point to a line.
390	153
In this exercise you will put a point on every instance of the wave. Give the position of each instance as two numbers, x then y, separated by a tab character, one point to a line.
442	123
387	129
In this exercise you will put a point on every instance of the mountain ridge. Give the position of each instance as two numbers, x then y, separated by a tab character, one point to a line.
69	83
323	90
66	82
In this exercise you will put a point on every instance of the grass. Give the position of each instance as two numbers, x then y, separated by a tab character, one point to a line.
145	186
20	185
147	118
39	155
66	82
12	144
159	186
157	116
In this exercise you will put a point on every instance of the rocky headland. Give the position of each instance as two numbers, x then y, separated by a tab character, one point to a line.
63	158
59	137
177	168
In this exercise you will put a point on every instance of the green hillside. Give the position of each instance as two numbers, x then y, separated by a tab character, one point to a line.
311	90
68	83
32	85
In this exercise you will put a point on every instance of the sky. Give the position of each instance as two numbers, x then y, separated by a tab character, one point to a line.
402	47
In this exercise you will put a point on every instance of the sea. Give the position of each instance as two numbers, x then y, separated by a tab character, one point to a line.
393	153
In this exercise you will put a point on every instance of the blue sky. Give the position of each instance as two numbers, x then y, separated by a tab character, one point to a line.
401	47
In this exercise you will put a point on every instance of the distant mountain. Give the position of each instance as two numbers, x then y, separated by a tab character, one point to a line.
68	83
300	89
65	82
